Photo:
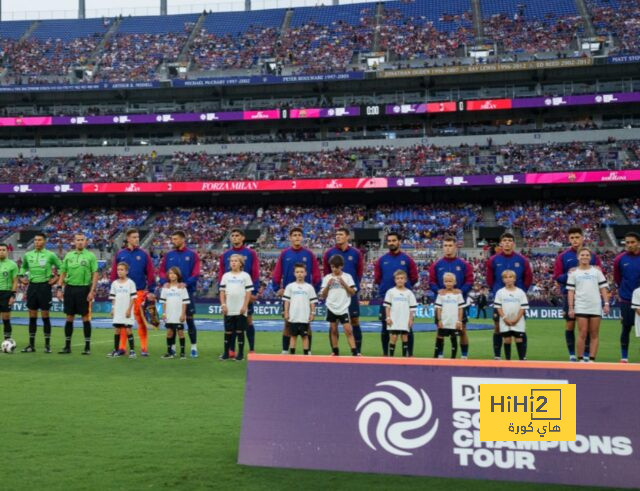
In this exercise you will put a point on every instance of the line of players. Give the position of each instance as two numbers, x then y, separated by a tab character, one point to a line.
450	275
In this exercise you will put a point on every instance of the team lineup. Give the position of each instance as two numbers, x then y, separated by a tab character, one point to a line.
301	281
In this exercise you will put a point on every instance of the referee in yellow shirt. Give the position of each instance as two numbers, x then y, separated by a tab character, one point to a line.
79	276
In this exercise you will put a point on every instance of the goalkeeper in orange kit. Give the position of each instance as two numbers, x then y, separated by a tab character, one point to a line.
142	273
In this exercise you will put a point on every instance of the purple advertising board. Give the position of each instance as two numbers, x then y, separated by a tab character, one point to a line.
40	188
421	417
454	181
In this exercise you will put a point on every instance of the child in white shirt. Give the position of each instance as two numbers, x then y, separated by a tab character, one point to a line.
122	295
235	294
400	304
511	303
587	288
449	314
300	301
174	299
337	289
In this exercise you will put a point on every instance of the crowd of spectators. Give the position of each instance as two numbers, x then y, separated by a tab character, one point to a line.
631	208
107	168
205	227
100	225
620	19
545	223
409	37
318	224
13	220
26	170
136	57
314	48
378	161
211	51
325	41
36	58
425	225
520	34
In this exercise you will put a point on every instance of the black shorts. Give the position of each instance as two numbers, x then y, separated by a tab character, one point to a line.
354	308
298	329
627	315
123	326
398	332
75	300
236	323
341	319
446	332
39	296
175	327
509	334
588	316
5	296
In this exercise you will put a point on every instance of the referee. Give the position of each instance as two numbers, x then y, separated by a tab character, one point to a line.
8	285
80	275
36	271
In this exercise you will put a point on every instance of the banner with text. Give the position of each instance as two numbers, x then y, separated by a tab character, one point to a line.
422	417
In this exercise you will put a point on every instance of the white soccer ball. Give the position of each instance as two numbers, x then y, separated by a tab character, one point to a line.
8	346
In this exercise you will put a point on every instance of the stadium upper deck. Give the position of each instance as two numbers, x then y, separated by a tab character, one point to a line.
325	39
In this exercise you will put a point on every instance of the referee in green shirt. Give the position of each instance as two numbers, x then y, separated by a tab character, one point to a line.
80	276
8	285
37	272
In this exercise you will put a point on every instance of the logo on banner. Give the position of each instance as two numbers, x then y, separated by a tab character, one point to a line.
390	429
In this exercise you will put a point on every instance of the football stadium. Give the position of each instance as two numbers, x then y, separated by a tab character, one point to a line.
286	245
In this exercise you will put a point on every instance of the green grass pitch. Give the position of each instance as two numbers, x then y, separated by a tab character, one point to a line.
74	422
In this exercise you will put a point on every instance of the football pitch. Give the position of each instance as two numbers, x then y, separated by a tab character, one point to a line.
75	422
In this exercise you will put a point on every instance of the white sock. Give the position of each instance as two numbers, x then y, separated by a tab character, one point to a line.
194	346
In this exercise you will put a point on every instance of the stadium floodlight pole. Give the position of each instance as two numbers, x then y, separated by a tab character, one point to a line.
336	2
247	5
82	11
163	7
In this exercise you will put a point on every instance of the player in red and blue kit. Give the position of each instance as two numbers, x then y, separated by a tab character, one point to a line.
142	273
252	267
354	266
626	274
506	259
188	262
283	273
565	262
463	271
394	260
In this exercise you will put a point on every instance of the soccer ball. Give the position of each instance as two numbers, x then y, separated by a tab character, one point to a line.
8	346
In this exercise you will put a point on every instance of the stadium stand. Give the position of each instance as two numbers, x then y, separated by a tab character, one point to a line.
142	44
54	47
318	39
535	26
419	160
618	18
100	225
422	29
236	39
545	224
